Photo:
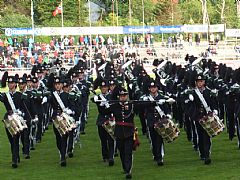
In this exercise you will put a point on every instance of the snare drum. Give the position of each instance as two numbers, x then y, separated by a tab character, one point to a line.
167	129
212	124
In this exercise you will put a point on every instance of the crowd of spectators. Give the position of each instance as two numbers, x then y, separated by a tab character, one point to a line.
20	52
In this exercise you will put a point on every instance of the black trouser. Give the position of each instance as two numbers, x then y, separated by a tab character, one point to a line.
143	121
70	141
204	141
61	144
25	139
230	120
107	143
194	133
45	115
40	126
14	142
125	148
221	109
33	134
83	118
179	114
238	130
188	127
157	144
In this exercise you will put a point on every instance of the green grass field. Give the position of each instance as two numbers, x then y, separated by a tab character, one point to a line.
180	161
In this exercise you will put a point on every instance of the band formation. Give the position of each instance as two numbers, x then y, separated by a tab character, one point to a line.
196	96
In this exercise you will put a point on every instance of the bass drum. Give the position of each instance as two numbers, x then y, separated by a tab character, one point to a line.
166	128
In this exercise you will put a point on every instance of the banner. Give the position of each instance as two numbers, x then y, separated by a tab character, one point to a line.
169	29
202	28
138	29
58	31
232	33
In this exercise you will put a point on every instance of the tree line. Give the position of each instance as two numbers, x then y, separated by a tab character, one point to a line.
17	13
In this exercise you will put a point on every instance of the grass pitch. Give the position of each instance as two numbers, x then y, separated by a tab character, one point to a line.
180	161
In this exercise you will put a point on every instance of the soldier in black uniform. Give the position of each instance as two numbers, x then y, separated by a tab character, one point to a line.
83	86
29	115
107	142
16	97
152	117
68	108
38	96
204	140
124	112
74	99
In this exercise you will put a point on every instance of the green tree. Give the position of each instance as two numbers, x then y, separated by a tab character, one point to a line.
71	13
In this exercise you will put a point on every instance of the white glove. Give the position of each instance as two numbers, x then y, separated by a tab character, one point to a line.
186	101
190	96
20	113
169	116
69	111
215	112
44	100
35	120
102	103
107	105
161	101
170	101
95	98
145	98
214	91
130	86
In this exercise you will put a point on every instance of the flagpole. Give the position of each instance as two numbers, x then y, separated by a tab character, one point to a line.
32	13
62	17
90	41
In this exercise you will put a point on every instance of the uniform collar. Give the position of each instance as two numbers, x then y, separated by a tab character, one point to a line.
154	95
12	92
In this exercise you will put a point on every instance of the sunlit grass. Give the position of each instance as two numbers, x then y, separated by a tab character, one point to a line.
180	161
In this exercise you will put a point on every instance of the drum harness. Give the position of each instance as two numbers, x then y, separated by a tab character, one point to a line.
203	101
11	102
159	110
59	101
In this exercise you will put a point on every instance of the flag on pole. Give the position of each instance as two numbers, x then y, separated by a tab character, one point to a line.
58	10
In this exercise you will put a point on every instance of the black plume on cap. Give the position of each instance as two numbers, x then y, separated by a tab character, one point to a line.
34	70
200	77
50	81
12	79
152	83
4	79
122	91
22	80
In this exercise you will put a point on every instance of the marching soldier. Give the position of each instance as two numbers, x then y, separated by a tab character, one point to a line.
83	86
203	103
107	142
123	111
74	98
38	94
13	103
60	103
153	115
29	115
